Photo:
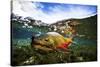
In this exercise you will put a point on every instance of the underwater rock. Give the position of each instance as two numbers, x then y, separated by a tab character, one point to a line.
51	41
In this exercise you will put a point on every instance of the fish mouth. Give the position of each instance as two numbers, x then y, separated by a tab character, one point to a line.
41	46
40	43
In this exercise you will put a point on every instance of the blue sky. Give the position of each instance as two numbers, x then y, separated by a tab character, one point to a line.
90	8
52	12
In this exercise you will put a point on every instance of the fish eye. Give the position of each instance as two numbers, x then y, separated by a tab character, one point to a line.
46	39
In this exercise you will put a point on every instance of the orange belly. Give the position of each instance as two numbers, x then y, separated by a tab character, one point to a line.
64	45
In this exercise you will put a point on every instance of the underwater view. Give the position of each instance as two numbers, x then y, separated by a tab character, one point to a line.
52	33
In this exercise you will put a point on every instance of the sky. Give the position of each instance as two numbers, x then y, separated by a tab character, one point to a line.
52	12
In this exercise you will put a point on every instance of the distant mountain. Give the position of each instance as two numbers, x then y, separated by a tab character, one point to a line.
73	21
26	22
86	26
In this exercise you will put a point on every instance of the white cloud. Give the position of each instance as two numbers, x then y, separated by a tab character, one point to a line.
27	8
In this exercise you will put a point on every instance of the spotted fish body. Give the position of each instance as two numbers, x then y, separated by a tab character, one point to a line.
51	41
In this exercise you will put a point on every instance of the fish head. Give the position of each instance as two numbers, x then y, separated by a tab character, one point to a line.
43	40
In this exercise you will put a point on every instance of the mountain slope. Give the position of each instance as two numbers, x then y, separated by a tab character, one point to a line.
86	26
